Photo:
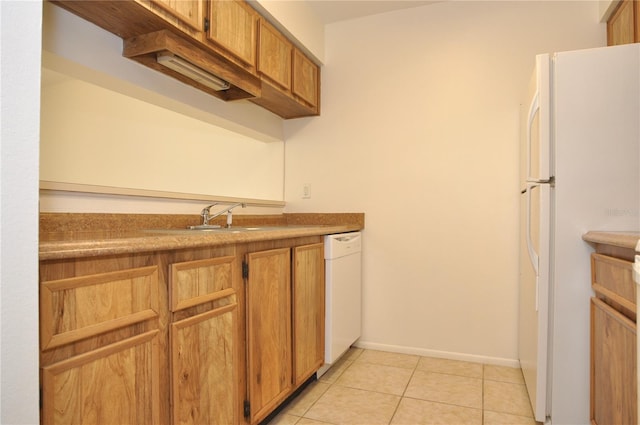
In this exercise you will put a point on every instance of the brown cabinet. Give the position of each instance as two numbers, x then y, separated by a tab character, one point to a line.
225	38
306	77
203	339
285	322
191	12
233	25
308	310
274	56
623	26
101	341
613	342
180	337
268	330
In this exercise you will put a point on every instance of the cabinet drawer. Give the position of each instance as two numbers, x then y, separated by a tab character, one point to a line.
76	308
612	278
200	281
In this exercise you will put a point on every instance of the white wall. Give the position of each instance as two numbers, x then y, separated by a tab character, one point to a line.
91	135
19	115
419	129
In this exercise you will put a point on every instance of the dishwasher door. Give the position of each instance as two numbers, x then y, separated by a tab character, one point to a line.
343	268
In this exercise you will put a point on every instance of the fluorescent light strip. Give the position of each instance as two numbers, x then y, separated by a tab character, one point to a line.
191	71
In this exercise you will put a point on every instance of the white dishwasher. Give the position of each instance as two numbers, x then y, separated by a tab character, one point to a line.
343	276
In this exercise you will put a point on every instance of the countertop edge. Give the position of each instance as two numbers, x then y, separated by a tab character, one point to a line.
141	243
627	240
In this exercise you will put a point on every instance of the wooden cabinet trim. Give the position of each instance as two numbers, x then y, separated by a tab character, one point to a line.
50	333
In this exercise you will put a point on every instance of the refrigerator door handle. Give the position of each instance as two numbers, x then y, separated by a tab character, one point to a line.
533	255
533	109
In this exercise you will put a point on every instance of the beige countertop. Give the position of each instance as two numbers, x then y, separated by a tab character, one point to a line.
70	236
627	240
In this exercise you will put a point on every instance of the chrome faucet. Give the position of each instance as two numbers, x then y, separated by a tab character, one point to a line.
207	216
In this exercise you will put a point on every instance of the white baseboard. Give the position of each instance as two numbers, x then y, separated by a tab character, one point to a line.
497	361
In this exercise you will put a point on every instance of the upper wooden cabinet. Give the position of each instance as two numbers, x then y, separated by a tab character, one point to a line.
226	38
233	25
274	56
191	12
306	78
623	27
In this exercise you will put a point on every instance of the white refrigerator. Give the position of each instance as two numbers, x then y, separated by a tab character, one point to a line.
580	161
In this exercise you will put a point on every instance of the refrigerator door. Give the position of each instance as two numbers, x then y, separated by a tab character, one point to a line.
535	222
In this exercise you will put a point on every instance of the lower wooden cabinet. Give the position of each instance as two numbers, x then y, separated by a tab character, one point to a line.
268	330
102	349
203	339
115	384
285	323
614	393
308	311
180	337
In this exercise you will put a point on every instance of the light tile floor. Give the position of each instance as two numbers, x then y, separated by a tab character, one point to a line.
368	387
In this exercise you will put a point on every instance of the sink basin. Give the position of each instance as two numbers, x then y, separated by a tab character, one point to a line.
216	229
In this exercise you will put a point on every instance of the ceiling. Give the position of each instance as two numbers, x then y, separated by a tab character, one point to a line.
329	11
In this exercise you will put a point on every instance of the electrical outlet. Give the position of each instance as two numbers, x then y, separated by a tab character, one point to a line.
306	191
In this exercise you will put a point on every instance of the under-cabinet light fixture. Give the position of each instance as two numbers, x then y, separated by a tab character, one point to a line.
188	70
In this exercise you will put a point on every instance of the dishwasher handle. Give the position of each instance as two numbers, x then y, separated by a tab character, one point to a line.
342	244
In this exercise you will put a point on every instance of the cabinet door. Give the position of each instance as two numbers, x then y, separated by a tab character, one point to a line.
115	384
268	330
234	26
204	367
308	310
203	339
621	25
305	78
274	56
613	366
191	12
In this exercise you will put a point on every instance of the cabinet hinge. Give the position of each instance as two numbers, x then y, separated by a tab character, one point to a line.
245	270
247	409
206	24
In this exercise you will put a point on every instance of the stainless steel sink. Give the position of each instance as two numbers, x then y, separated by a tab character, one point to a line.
216	229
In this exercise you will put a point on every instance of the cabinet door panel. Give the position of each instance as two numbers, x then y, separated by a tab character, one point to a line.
191	12
234	26
613	366
116	384
308	310
268	329
274	56
305	78
204	367
79	307
196	282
